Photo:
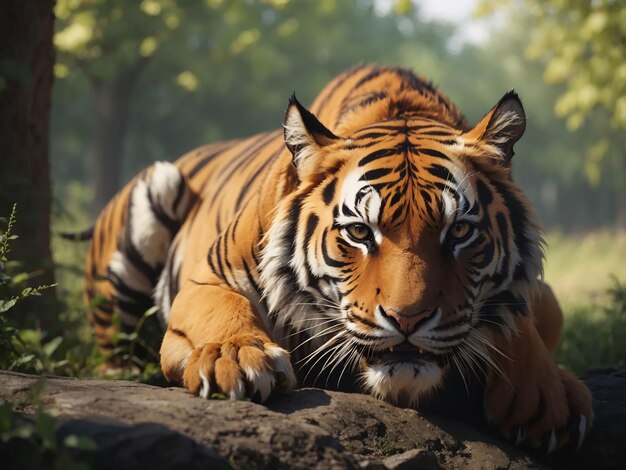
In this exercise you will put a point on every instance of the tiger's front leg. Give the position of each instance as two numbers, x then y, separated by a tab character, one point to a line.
216	343
530	398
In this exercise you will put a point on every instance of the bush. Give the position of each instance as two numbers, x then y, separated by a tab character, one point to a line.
12	279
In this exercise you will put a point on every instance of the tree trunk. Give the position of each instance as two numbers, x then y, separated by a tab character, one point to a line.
26	60
112	103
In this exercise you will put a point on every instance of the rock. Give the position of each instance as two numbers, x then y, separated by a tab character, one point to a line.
416	458
373	429
142	426
147	445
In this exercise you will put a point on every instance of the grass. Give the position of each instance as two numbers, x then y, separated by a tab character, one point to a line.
580	268
588	275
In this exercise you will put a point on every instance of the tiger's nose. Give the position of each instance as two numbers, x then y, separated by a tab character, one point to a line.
407	322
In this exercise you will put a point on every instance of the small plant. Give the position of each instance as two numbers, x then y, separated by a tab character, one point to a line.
28	349
8	279
385	446
13	348
134	355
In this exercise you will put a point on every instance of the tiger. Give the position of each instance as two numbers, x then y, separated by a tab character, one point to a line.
377	242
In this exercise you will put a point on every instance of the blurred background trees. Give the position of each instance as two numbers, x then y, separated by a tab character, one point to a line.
582	47
149	80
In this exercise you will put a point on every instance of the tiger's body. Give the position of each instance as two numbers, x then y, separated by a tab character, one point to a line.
383	248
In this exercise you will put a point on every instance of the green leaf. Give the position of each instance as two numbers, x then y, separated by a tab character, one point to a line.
218	396
80	442
52	346
20	278
6	305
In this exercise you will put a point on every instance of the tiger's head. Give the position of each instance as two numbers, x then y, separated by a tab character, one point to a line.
403	238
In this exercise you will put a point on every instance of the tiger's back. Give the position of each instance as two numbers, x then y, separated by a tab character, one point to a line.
221	178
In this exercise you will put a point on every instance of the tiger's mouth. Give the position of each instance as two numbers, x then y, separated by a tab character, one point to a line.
403	353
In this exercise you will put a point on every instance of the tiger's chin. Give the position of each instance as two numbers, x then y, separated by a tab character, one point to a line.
400	378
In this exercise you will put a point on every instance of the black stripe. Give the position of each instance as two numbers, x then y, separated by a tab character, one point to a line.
255	175
243	157
180	191
440	172
501	221
351	316
484	194
208	158
368	78
432	153
250	277
377	155
340	81
518	213
327	258
329	191
375	174
311	225
169	223
218	257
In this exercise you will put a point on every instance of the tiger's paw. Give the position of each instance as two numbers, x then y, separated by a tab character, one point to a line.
242	366
547	411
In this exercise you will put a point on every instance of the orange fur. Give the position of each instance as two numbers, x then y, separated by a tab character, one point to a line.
270	204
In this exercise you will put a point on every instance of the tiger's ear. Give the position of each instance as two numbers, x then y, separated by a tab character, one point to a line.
304	135
502	126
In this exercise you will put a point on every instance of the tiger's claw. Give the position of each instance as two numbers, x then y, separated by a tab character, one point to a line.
241	367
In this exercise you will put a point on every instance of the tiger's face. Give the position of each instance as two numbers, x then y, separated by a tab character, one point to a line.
399	244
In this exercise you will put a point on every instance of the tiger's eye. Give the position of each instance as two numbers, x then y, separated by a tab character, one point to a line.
359	232
460	230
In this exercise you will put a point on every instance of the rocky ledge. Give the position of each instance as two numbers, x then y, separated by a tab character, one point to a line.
142	426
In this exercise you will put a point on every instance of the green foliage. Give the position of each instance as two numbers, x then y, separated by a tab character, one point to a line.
94	35
11	279
75	354
595	336
31	442
225	71
134	352
582	46
13	342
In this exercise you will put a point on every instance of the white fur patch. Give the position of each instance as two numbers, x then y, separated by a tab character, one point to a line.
262	381
402	381
161	295
282	364
296	136
205	390
166	189
148	235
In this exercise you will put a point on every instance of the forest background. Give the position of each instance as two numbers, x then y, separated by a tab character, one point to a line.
136	82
